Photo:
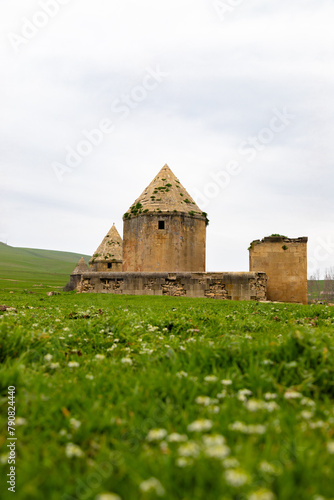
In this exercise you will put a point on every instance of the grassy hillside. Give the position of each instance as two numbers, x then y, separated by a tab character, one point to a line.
25	267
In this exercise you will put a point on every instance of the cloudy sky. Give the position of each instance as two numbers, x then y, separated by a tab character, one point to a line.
235	96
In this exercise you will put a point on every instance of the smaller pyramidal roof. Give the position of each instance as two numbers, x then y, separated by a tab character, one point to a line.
164	194
81	267
111	248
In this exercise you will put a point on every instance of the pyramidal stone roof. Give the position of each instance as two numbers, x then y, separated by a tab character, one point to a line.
164	194
81	267
111	248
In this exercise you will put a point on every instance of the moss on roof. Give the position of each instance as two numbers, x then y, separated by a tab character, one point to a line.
164	194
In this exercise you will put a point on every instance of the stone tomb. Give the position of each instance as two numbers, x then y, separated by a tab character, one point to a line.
164	249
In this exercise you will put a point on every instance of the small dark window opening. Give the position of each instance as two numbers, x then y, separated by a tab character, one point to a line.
161	224
109	265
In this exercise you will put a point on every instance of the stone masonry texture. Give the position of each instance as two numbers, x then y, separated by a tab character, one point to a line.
164	230
284	260
223	286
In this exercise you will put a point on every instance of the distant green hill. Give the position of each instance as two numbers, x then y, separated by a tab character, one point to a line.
22	268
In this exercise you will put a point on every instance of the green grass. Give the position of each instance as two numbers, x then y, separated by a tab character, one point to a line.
272	416
22	268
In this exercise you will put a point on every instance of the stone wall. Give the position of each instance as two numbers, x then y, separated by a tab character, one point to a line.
284	260
224	286
178	247
99	266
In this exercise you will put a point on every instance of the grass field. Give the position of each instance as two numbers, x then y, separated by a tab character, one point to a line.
139	398
22	268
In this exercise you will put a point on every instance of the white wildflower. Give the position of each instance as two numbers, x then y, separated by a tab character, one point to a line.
262	494
243	394
177	438
73	364
184	462
100	356
248	337
200	425
211	378
236	477
214	409
307	402
48	357
156	435
213	440
64	433
189	449
317	425
20	421
221	395
127	361
54	366
75	424
271	406
238	426
330	447
205	400
230	463
292	395
114	346
256	429
72	450
292	364
307	415
267	362
182	374
89	376
152	485
247	429
270	395
4	458
226	382
152	328
107	496
254	405
269	468
219	451
145	350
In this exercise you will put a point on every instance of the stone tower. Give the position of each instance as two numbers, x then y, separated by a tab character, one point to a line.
79	269
164	230
284	260
108	256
